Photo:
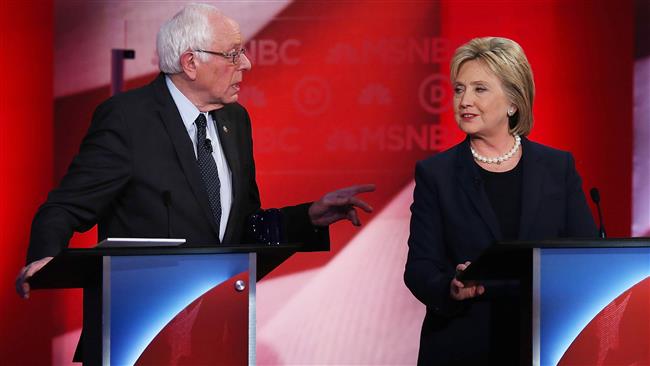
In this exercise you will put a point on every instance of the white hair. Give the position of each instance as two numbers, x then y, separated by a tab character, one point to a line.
189	29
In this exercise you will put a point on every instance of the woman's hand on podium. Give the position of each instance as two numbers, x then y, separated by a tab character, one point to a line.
460	291
22	281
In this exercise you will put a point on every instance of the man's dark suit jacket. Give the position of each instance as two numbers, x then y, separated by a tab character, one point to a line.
136	149
452	222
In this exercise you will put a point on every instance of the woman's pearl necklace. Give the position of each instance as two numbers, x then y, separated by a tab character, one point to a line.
498	159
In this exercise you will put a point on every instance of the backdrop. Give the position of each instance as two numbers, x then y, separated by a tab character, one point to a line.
340	93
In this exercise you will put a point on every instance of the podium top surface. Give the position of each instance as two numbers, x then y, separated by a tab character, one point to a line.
511	259
578	243
73	267
178	250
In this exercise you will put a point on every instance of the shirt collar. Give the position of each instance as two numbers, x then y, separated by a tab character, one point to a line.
188	111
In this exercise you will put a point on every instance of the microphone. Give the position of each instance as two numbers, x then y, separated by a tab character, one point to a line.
595	196
208	145
167	200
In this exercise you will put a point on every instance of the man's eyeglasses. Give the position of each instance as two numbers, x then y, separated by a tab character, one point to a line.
234	56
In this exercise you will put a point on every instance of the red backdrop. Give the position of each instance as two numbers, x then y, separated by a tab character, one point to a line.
26	49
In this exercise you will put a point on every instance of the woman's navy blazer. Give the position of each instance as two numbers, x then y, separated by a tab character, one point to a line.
452	221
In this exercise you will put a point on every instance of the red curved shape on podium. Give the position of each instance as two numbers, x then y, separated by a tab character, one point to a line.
618	335
212	330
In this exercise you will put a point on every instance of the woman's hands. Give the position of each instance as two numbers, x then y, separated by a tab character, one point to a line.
460	291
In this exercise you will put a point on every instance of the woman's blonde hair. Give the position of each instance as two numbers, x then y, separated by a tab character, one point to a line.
505	58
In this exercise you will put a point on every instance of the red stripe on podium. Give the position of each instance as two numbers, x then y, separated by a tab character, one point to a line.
212	330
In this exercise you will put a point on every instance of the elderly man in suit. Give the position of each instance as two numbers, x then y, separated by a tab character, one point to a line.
175	157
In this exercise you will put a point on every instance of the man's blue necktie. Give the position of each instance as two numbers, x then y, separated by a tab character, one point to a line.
208	168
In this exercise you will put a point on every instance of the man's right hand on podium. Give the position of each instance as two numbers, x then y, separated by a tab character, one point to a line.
22	281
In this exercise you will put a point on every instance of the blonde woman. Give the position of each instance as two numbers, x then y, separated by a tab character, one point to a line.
495	185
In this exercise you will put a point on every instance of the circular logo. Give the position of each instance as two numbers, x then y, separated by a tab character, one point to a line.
312	95
434	94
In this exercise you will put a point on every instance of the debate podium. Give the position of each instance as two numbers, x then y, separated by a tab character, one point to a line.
586	301
164	305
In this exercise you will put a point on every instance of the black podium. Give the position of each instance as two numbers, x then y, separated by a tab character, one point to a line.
165	305
586	301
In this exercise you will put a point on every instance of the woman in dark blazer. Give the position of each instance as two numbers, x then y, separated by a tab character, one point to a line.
495	185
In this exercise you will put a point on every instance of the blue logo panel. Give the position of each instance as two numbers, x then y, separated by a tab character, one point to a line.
147	292
576	284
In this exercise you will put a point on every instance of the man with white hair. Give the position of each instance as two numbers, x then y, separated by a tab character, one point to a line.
175	158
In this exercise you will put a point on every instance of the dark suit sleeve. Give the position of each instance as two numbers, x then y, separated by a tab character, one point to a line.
97	174
428	273
580	222
299	229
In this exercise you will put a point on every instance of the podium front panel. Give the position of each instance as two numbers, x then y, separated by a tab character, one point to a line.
591	306
177	309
